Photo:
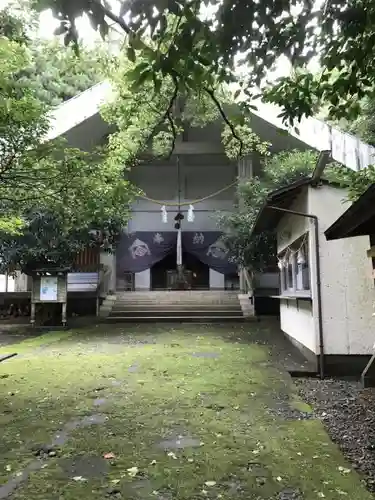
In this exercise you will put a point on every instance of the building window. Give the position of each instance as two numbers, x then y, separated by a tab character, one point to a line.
291	268
294	268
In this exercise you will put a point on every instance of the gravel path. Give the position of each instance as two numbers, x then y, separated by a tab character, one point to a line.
348	412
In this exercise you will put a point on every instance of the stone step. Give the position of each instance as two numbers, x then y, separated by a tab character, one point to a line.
175	319
175	307
174	295
178	306
175	313
177	302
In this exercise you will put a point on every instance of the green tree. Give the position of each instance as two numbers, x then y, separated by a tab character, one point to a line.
147	122
202	51
55	72
258	252
80	191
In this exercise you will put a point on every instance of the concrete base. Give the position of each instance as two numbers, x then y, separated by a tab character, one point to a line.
107	306
341	365
307	353
247	305
337	365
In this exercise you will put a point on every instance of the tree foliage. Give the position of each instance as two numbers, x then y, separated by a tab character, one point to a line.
258	252
200	49
56	74
355	182
53	72
148	122
74	190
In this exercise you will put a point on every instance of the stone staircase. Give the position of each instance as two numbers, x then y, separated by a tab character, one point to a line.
173	306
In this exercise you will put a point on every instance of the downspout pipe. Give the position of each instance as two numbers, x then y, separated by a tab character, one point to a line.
314	218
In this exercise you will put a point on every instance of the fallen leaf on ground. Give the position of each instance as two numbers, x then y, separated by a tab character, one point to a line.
79	479
172	455
343	470
279	479
109	455
115	481
133	471
210	483
153	462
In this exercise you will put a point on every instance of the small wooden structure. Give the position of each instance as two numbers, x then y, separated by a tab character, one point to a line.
49	286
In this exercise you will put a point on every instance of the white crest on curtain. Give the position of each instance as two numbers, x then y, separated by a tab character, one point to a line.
218	250
139	249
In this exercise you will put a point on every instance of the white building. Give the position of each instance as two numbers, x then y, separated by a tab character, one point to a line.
326	288
205	179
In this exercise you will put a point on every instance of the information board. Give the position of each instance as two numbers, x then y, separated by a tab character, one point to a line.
48	288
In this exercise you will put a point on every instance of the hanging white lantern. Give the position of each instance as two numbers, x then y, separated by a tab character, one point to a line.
190	214
280	264
164	214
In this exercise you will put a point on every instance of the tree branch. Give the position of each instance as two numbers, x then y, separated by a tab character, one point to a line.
113	17
167	115
211	93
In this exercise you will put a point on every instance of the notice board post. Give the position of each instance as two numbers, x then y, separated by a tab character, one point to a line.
49	287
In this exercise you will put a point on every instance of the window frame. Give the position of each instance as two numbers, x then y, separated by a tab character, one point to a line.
295	278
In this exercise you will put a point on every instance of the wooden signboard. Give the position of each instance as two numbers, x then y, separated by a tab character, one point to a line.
49	288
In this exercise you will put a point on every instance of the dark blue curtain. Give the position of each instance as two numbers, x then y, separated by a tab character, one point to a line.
139	251
209	248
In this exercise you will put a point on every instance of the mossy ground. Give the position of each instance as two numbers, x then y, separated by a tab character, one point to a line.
223	402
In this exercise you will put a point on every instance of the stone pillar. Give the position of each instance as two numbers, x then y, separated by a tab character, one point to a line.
245	172
109	261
